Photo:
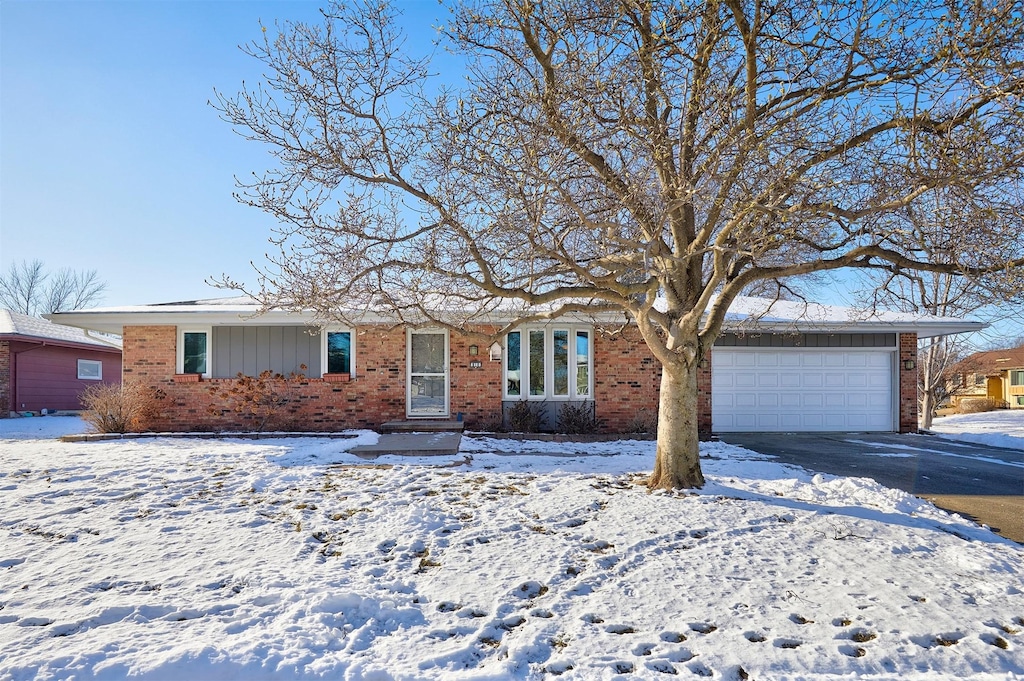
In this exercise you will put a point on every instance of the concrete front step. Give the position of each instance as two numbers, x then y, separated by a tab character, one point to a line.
411	444
422	426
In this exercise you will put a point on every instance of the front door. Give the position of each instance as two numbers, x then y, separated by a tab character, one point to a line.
427	359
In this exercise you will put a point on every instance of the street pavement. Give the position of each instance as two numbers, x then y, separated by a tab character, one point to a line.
983	483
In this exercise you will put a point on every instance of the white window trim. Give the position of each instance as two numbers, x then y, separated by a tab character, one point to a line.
351	348
180	348
87	362
549	364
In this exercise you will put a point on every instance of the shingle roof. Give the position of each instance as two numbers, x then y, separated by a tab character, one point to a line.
991	361
17	324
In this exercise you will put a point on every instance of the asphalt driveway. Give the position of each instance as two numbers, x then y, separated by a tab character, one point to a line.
981	482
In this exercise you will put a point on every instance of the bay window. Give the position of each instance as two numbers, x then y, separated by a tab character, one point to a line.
552	363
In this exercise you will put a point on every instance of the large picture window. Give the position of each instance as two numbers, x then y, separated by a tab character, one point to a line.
552	363
1017	377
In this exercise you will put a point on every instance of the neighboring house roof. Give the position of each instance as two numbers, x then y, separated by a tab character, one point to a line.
747	315
992	361
17	326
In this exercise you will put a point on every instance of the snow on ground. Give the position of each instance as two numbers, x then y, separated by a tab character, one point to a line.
1001	428
291	559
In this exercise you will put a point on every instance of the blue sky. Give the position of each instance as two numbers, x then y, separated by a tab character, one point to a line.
110	157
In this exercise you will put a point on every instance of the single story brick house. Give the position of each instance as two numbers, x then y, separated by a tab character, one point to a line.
778	366
47	366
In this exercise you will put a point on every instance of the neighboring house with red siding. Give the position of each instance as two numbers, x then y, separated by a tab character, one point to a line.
778	366
46	366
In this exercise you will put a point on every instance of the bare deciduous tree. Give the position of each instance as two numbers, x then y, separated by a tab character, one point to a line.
642	157
29	289
953	218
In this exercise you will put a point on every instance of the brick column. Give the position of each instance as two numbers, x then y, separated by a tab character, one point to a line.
908	383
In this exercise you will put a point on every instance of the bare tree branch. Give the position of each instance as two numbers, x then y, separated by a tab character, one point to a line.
653	157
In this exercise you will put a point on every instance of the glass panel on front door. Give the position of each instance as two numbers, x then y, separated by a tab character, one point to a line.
428	374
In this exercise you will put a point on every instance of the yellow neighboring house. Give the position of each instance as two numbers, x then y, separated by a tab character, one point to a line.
996	374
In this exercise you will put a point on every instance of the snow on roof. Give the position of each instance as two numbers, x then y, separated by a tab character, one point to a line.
17	324
745	314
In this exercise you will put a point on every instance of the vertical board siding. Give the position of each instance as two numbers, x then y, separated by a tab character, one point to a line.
251	349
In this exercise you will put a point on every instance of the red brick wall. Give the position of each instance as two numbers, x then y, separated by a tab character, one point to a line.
475	392
627	379
626	384
376	393
5	379
908	383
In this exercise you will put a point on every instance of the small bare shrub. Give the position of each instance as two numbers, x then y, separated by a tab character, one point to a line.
524	417
976	405
124	408
491	424
578	418
644	422
260	400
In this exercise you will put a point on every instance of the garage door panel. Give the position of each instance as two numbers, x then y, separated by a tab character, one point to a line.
856	380
791	400
835	380
810	359
802	390
790	380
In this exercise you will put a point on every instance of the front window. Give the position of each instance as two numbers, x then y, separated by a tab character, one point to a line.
90	370
339	352
1017	377
582	363
1020	400
550	363
195	352
537	363
561	362
979	379
513	373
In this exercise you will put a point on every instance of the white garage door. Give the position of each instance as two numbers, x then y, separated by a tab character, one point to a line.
801	390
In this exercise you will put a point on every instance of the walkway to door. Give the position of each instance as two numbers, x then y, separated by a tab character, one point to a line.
414	438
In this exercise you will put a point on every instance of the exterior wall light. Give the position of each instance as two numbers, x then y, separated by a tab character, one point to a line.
474	350
910	365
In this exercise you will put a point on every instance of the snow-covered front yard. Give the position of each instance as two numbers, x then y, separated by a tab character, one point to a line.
1003	428
291	559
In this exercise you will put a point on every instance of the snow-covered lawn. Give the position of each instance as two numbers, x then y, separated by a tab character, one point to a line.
1002	428
290	559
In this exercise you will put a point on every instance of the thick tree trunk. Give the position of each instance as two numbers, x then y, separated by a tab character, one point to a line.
677	463
927	409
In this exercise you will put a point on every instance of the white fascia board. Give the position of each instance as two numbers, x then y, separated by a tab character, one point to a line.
923	329
113	320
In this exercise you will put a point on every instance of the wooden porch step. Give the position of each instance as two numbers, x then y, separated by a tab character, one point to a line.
422	426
